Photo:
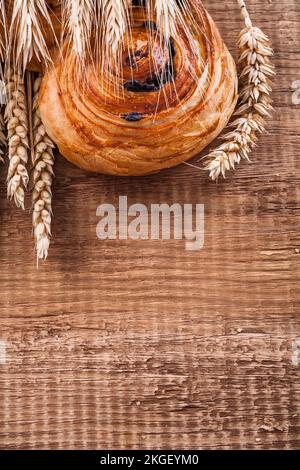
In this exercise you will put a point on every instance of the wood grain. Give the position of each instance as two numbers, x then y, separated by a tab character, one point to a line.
132	345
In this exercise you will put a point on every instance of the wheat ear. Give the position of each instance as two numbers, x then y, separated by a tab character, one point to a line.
114	24
26	35
170	14
78	20
17	126
2	50
166	11
254	100
43	161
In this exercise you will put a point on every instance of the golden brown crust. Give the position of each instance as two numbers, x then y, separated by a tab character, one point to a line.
136	133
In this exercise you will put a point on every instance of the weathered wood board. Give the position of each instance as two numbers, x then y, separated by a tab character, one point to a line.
142	345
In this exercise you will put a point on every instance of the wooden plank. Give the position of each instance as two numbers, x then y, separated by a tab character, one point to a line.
124	344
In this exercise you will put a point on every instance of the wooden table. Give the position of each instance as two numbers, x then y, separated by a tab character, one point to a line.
132	345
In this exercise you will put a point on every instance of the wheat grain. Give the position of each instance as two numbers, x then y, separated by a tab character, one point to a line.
254	100
43	161
17	127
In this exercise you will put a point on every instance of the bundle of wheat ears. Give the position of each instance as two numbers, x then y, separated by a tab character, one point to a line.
125	87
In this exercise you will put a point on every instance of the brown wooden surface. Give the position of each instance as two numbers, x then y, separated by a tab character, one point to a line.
143	344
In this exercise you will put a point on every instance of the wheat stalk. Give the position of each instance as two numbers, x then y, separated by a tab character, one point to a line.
78	20
2	136
26	36
3	29
254	100
43	161
17	126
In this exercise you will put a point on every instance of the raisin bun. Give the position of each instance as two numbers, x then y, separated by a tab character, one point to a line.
163	103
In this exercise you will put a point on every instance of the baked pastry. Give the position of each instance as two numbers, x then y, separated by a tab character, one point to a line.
171	100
